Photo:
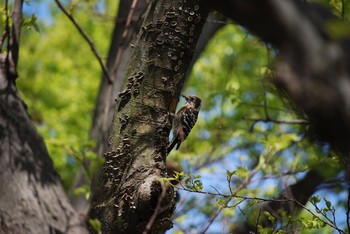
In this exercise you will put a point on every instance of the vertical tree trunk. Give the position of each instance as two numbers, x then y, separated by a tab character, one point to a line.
124	33
132	192
32	199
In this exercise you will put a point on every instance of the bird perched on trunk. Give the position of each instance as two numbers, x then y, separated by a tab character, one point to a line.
184	120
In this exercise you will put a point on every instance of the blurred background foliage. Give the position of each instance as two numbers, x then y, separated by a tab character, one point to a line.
245	133
59	78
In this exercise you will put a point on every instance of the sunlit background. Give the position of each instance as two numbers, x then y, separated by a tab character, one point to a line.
236	146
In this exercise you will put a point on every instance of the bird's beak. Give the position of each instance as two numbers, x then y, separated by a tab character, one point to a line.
184	96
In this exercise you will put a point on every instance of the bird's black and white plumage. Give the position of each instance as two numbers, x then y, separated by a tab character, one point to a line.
184	121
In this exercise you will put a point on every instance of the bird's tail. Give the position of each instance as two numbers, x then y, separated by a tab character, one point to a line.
172	145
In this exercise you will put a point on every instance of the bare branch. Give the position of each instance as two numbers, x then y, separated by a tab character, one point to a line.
279	121
234	194
87	39
348	211
157	210
13	35
331	224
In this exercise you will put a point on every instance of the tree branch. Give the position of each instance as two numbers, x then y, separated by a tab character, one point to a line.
135	156
312	68
279	121
157	210
87	39
348	210
13	35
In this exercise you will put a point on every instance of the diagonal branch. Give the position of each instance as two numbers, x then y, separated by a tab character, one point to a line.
87	39
157	210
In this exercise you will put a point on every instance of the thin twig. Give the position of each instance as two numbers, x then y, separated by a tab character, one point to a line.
243	213
348	211
157	210
215	189
212	219
267	116
280	121
321	212
316	217
232	196
242	186
87	39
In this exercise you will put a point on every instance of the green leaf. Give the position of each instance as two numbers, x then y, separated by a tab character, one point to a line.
242	172
95	224
269	216
220	202
315	199
328	203
229	174
228	212
31	23
82	190
198	186
252	203
182	219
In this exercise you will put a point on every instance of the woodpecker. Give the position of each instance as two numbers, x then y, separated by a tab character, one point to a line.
184	120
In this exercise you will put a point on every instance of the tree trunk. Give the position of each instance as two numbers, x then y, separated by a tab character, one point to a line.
133	197
32	198
124	34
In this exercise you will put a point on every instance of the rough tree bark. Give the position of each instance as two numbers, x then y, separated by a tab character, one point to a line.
249	14
132	192
124	34
32	197
119	53
313	69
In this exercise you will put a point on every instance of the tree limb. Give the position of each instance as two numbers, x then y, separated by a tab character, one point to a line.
32	199
135	157
102	116
312	67
13	34
290	201
87	39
